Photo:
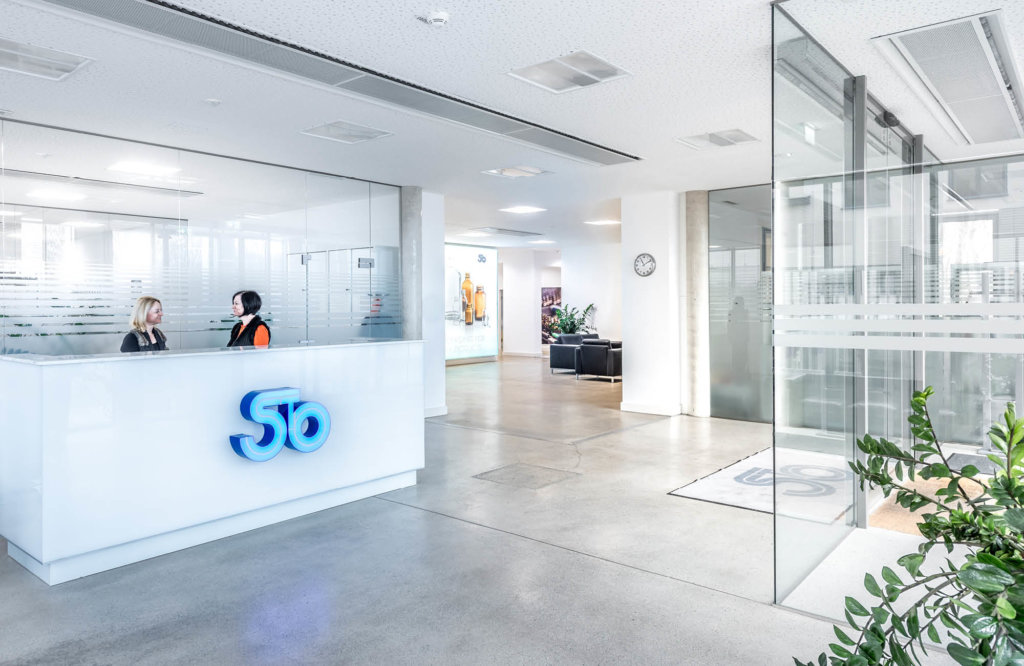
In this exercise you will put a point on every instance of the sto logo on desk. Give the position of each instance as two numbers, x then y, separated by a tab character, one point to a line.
286	420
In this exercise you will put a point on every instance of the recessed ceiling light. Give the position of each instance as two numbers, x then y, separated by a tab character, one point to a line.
250	216
719	139
212	101
601	223
10	213
345	132
522	210
571	72
37	61
143	169
714	247
516	172
55	194
541	242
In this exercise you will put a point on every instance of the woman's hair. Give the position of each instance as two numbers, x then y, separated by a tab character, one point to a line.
142	308
251	302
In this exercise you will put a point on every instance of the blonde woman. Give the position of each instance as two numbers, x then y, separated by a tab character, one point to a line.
144	335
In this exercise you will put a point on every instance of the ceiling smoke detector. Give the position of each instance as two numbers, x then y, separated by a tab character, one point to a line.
436	19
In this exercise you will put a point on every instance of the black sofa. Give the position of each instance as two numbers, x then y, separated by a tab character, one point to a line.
564	352
599	357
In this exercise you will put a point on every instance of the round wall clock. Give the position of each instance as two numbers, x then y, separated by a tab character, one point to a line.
643	264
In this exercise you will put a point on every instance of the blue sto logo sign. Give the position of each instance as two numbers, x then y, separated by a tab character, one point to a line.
286	420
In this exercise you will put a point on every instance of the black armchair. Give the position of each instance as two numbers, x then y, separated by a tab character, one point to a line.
564	352
600	357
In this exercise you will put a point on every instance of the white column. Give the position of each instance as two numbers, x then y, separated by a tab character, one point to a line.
651	368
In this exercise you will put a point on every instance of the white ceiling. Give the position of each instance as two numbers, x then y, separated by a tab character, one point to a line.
696	67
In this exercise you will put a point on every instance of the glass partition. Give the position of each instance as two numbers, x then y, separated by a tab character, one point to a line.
740	279
88	224
892	273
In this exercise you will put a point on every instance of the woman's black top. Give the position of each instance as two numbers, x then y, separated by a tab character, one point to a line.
139	341
247	337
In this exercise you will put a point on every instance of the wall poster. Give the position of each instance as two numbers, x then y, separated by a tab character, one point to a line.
471	301
550	298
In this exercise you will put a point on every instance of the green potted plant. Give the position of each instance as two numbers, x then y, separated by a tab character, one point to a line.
571	320
979	601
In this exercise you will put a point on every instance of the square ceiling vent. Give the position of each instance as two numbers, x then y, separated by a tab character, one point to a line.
38	61
346	132
579	69
721	139
965	71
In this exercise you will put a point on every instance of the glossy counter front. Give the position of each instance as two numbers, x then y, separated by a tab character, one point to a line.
108	460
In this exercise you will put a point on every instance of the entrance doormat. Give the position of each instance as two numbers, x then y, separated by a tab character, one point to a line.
812	486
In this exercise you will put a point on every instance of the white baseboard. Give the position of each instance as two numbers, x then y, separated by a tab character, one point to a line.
440	410
667	409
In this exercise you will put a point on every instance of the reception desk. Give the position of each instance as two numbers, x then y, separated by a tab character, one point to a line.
108	460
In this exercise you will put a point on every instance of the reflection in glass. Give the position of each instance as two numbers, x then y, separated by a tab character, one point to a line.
90	223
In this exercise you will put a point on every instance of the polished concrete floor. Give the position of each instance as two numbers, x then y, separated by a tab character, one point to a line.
540	532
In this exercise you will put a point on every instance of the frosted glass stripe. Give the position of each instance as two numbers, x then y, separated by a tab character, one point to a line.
901	343
923	326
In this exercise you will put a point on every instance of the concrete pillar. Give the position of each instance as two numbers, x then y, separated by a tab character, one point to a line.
696	338
422	230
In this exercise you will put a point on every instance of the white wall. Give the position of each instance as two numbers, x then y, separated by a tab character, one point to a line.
651	367
433	305
593	274
521	277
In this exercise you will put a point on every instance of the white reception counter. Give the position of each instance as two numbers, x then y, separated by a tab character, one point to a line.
110	460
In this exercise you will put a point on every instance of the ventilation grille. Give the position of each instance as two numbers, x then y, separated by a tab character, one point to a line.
167	21
577	70
968	68
346	132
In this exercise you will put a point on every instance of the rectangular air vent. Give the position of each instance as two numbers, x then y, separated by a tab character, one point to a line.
38	61
577	70
208	33
720	139
498	231
966	66
345	132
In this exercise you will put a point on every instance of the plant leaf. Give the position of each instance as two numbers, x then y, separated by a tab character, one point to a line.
1005	608
912	563
856	607
889	576
965	655
984	578
841	635
1015	518
871	585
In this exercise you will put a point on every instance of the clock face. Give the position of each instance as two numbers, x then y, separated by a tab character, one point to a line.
643	264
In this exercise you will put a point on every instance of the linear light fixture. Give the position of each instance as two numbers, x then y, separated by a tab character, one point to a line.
506	232
577	70
601	223
522	210
38	61
516	172
541	242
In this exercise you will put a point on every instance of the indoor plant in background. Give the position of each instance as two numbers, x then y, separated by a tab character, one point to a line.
978	600
571	320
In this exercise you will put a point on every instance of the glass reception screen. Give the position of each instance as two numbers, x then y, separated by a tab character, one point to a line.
471	301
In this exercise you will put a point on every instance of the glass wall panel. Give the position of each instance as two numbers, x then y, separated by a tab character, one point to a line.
91	223
740	303
892	274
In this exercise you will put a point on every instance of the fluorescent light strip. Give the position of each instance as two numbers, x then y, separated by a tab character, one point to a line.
601	223
541	242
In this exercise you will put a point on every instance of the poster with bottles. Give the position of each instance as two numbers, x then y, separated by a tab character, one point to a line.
471	301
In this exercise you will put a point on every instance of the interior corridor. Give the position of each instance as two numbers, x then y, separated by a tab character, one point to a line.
540	531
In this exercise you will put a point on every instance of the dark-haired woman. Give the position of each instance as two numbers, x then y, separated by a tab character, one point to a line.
250	331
